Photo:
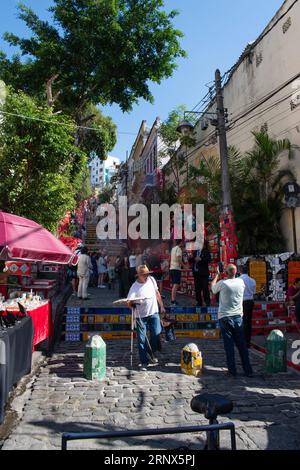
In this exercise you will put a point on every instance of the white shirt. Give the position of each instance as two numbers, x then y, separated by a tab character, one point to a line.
231	296
139	260
250	286
84	265
147	290
132	261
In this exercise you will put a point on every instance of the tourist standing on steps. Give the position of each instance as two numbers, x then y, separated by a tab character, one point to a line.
132	266
200	267
154	264
84	269
123	273
94	261
139	257
230	316
175	269
248	303
111	272
102	270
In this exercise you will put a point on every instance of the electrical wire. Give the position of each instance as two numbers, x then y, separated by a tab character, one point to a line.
280	133
57	123
269	96
243	124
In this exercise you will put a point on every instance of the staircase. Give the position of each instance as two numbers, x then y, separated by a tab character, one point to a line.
112	247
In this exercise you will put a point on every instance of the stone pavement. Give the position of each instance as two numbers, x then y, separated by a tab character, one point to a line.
104	298
266	408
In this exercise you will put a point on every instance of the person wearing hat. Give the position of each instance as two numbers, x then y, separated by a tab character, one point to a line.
147	314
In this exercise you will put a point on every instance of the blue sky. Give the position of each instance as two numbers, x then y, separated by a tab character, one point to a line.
215	34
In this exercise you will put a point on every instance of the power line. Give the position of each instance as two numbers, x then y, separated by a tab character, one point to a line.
269	96
64	124
282	132
262	112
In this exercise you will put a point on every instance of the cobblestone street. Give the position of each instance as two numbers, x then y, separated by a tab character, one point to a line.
266	408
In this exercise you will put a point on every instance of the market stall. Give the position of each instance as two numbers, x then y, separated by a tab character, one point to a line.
32	270
40	312
15	357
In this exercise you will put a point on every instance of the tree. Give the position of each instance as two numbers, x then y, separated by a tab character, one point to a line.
259	219
95	52
84	189
256	180
40	167
99	133
171	150
106	195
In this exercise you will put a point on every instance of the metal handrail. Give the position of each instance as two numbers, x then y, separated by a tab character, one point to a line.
150	432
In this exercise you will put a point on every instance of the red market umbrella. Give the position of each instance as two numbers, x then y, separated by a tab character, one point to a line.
24	239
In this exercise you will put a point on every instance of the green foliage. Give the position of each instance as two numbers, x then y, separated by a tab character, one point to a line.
102	51
38	161
102	138
84	189
172	141
257	180
106	194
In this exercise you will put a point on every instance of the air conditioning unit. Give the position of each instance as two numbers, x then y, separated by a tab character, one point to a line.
204	124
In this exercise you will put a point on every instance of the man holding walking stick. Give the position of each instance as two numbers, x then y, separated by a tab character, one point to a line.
147	314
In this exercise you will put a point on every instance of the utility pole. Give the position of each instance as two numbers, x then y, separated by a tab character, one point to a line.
228	240
126	174
226	192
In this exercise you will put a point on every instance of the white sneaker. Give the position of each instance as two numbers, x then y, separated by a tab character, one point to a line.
143	367
154	360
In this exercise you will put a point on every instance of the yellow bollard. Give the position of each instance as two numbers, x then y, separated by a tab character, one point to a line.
191	360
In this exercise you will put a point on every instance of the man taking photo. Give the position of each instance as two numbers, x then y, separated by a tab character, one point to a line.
230	315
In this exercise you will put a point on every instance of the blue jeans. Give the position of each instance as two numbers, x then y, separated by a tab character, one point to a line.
233	334
152	324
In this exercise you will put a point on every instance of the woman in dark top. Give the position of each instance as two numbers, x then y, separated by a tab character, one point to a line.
123	272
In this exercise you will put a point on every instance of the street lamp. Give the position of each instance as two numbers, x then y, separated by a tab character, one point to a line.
292	191
185	128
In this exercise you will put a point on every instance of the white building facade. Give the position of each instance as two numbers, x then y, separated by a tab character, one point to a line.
102	171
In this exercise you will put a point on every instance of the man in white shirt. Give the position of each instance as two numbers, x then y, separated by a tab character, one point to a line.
84	268
230	315
147	314
175	270
248	303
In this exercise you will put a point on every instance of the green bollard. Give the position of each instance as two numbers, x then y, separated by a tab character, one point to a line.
94	366
276	352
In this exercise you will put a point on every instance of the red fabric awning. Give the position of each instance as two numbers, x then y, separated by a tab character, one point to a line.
24	239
